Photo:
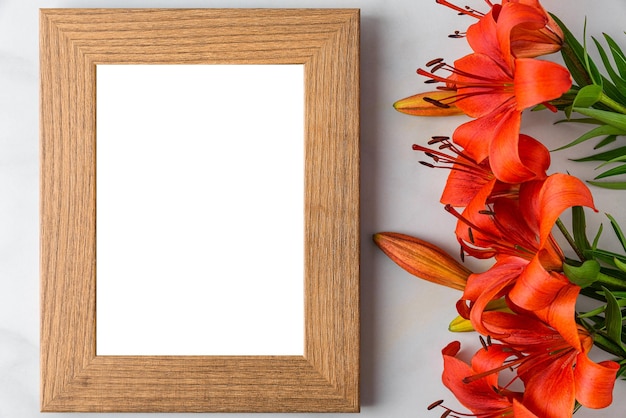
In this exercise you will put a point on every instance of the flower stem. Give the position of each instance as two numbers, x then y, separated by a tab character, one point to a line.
612	283
570	239
612	104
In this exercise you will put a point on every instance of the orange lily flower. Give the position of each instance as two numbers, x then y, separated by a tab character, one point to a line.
530	30
496	97
518	234
484	397
529	42
467	177
494	86
550	363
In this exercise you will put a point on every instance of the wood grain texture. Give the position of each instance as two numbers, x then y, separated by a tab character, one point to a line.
72	43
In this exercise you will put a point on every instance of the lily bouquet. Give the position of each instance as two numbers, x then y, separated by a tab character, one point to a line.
508	208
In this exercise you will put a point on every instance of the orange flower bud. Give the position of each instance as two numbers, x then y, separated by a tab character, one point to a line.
428	104
423	259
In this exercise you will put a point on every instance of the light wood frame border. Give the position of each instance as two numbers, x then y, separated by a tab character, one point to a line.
72	43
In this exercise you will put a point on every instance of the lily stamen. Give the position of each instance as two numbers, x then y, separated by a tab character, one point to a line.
448	413
463	10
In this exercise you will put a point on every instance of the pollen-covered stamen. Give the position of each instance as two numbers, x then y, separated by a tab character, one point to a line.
507	365
477	79
433	62
497	243
437	103
455	159
463	10
438	138
526	248
483	343
434	405
457	35
451	413
475	83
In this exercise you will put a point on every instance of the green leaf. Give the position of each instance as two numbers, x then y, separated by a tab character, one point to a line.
621	302
619	82
604	255
613	318
606	344
616	171
583	275
618	231
618	294
606	141
605	156
612	282
610	118
590	121
595	132
573	55
621	266
612	185
592	69
596	239
588	96
618	55
579	228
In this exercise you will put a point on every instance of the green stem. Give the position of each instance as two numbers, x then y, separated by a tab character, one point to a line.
612	104
613	283
570	239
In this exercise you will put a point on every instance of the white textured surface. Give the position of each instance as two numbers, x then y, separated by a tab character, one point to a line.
403	320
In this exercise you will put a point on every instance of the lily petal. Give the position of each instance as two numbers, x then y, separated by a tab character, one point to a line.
559	192
537	81
536	288
594	381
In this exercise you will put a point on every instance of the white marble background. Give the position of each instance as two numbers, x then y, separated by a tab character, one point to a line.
404	320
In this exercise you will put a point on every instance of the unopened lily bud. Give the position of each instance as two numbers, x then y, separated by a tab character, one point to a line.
423	259
432	103
460	324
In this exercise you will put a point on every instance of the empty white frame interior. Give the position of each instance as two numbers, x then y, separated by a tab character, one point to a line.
200	202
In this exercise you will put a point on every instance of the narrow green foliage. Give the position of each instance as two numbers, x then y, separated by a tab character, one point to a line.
606	141
608	345
618	55
605	156
610	118
618	231
595	132
621	295
621	266
613	318
574	56
612	172
591	68
604	255
613	185
621	302
597	237
616	78
579	229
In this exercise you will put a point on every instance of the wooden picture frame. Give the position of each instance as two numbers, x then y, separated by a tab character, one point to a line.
73	377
